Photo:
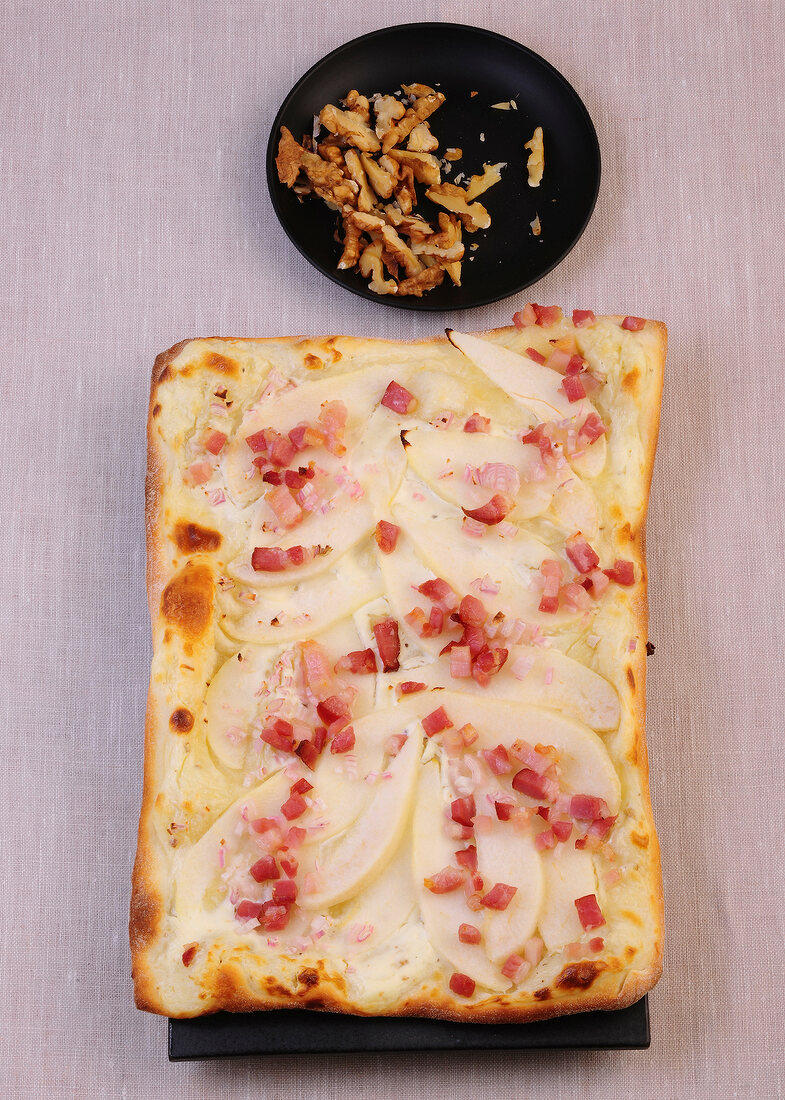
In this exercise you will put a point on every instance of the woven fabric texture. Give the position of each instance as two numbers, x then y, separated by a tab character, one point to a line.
134	213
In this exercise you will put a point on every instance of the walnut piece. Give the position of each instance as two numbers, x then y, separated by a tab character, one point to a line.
536	163
360	169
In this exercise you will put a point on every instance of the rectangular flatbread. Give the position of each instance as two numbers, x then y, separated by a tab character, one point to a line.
395	760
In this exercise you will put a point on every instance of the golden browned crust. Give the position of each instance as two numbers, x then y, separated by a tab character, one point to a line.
180	592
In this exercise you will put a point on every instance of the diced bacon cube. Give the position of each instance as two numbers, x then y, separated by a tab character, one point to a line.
468	933
265	869
583	318
487	663
477	423
410	687
308	753
294	807
439	591
436	721
499	896
592	428
198	473
283	742
573	387
622	572
586	807
274	917
285	892
525	317
462	985
214	441
445	881
362	662
589	912
398	399
562	830
388	643
386	535
463	810
472	612
633	324
343	741
467	857
537	356
301	786
333	708
497	759
545	840
248	910
515	968
547	315
269	559
289	865
261	441
528	782
460	662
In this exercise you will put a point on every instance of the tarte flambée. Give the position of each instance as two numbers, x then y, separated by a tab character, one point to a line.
395	755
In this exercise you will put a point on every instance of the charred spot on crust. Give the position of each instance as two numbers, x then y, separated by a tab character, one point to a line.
165	374
220	363
145	917
631	678
156	409
336	355
275	989
579	975
193	539
542	994
181	720
640	840
313	362
404	440
650	647
187	600
308	977
630	381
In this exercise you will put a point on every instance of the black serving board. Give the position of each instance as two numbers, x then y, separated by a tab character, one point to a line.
296	1031
459	60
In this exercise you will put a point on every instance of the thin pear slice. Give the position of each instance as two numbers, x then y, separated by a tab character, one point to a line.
436	535
337	531
590	462
443	914
283	614
503	855
378	460
569	874
531	384
584	763
548	679
367	921
241	689
440	458
360	391
355	857
201	869
232	703
574	508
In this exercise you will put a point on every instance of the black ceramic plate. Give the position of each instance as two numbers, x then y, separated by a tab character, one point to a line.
294	1031
459	60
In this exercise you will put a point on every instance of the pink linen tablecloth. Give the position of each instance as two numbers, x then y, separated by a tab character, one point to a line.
133	214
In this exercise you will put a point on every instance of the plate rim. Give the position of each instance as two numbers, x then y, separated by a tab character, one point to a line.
422	305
